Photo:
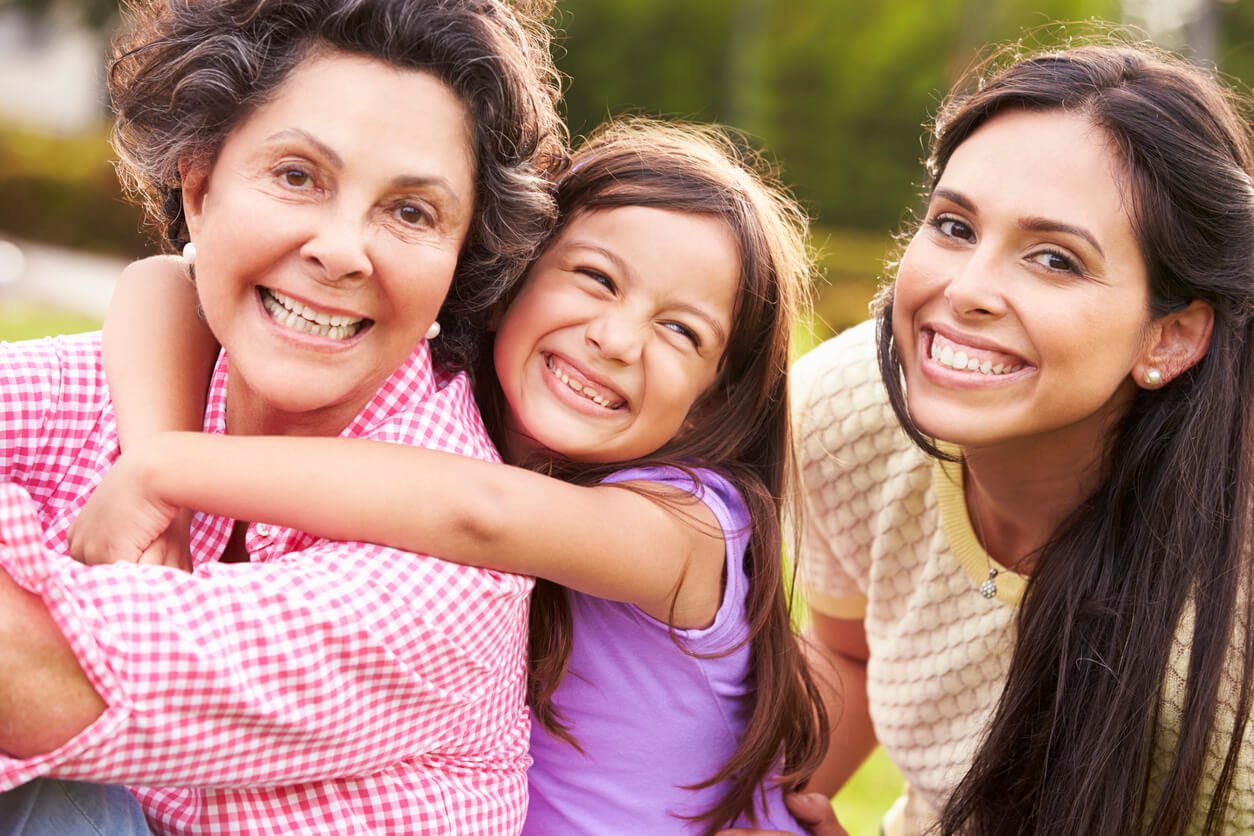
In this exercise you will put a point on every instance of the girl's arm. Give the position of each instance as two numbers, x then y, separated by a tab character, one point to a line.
158	353
158	356
602	540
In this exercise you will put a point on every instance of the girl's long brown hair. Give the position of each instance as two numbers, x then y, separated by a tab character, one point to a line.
1070	746
743	431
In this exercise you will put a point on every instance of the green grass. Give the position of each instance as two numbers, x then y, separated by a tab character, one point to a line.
25	321
870	792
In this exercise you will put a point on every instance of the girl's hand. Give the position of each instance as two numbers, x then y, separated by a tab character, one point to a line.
812	810
125	521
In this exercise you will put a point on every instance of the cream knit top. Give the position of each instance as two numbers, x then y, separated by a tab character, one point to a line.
887	539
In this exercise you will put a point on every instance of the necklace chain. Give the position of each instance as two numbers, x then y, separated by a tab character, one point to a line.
988	588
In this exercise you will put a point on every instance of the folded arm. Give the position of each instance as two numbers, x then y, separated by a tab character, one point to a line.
339	660
36	663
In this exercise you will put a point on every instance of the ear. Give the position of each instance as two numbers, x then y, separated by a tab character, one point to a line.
1176	343
195	186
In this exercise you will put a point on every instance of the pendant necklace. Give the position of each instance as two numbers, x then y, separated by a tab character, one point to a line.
989	586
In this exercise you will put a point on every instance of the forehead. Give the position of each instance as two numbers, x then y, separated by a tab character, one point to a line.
356	103
1053	164
686	252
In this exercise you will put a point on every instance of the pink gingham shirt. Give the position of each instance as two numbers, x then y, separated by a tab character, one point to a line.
324	687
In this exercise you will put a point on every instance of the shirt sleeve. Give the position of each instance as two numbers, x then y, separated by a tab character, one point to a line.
334	661
844	429
49	390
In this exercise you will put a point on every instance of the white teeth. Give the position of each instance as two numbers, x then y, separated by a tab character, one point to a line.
300	317
575	386
961	361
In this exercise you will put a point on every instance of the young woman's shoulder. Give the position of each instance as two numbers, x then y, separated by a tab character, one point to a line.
840	407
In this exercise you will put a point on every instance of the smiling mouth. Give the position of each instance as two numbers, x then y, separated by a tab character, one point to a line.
297	316
976	361
582	387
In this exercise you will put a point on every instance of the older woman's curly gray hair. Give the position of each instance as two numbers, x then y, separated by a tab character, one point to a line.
186	72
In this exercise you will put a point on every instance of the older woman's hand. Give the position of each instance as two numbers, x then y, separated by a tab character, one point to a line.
124	520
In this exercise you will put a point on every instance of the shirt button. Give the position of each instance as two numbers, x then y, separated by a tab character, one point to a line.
263	530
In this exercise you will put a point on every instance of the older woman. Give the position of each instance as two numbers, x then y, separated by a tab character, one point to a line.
340	166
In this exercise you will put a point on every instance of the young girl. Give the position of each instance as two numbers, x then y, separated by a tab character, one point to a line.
1029	518
643	360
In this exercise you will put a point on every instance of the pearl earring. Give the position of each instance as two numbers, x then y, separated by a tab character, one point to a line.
1153	377
433	331
189	253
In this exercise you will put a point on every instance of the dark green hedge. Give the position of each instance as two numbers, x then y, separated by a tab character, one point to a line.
63	191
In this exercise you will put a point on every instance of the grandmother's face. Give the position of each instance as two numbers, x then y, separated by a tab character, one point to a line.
327	232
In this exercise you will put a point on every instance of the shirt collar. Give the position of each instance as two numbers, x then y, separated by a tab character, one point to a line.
413	382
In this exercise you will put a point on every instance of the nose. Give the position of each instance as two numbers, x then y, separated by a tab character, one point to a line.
617	336
976	288
338	246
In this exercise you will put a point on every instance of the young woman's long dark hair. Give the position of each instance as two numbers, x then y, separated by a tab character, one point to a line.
742	432
1165	540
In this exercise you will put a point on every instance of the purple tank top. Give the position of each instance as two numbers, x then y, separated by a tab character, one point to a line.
650	718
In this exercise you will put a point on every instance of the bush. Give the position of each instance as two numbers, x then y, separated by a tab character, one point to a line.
62	190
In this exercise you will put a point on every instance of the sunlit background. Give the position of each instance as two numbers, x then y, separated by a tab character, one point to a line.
835	90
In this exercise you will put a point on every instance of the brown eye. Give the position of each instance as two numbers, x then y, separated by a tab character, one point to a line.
953	228
295	177
412	215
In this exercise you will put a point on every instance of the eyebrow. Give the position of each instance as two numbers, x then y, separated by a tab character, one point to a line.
1032	224
404	181
621	266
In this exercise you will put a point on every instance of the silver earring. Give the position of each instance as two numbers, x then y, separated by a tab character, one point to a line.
189	253
434	330
1153	377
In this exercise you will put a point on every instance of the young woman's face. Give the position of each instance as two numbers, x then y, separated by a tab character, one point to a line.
1022	303
618	330
327	232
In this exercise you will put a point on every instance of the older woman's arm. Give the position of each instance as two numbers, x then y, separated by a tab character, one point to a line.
343	659
36	661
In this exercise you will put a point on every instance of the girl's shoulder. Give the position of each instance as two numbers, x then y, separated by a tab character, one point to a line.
703	483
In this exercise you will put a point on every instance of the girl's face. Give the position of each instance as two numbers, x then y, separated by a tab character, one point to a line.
617	332
1022	304
327	231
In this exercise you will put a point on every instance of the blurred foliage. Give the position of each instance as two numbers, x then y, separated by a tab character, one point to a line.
101	15
63	190
838	91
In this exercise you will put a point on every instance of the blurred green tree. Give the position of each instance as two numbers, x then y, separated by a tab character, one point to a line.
836	89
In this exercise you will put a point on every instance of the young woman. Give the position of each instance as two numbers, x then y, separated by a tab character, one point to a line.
643	360
1029	520
292	684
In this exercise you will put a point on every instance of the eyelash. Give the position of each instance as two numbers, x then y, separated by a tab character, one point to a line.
939	222
1071	267
684	331
598	277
